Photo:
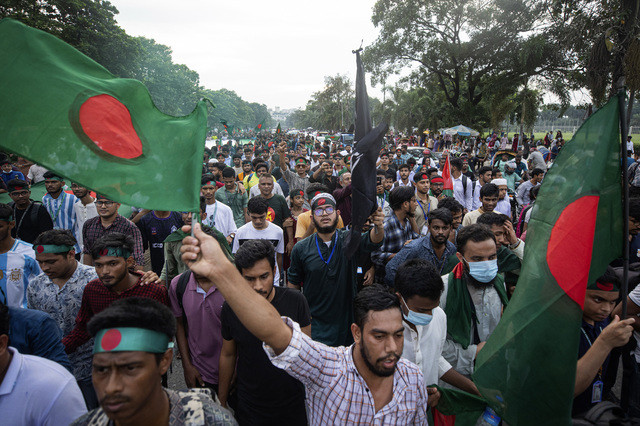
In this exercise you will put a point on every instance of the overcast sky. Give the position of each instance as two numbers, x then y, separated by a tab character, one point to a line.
274	52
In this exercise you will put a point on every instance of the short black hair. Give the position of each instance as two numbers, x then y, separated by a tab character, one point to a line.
113	239
432	170
6	212
56	237
492	218
442	214
139	312
476	233
237	156
50	175
495	171
403	166
390	174
536	172
374	298
228	172
262	164
400	195
252	251
450	204
456	163
489	190
257	205
206	178
484	169
17	183
418	277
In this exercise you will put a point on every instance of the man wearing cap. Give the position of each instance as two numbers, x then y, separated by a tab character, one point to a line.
327	277
107	222
299	179
511	176
314	160
219	215
304	225
113	259
59	204
504	201
135	336
17	263
426	203
33	390
31	217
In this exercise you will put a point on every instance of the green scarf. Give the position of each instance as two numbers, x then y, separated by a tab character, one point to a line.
458	309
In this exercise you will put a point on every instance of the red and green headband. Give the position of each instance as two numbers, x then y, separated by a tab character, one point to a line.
421	176
131	339
115	252
437	180
52	248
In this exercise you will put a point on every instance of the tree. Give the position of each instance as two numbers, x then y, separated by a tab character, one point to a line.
330	109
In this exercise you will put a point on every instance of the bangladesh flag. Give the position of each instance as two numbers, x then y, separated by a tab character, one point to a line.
64	111
259	127
446	175
526	371
228	128
278	130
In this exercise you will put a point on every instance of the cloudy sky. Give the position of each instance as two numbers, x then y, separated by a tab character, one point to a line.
274	52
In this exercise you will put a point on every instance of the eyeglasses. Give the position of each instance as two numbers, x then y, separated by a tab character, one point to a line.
104	203
327	210
19	194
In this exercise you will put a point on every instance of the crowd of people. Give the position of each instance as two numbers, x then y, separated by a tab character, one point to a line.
271	321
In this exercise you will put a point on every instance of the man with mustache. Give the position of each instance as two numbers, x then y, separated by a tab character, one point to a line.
132	350
113	260
364	383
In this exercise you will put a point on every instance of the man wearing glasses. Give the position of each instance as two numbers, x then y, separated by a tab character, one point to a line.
326	276
108	221
31	217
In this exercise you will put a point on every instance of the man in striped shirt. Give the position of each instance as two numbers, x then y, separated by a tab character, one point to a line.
59	204
366	383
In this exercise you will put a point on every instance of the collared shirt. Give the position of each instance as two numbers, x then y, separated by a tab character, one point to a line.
236	201
472	217
523	196
36	391
61	211
504	206
186	408
63	305
463	197
93	230
395	235
422	210
17	267
421	248
338	395
97	297
295	181
203	310
423	346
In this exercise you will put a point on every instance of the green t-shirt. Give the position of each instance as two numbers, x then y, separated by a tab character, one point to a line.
235	200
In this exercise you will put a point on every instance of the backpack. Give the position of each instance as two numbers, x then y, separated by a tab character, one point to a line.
523	214
633	176
465	179
604	413
37	205
181	287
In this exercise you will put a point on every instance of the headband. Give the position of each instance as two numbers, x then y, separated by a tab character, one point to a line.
8	218
299	193
437	179
421	176
52	248
301	161
322	199
603	286
115	252
131	339
210	183
54	177
18	188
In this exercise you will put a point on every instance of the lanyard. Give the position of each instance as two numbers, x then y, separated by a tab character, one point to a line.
422	208
587	336
320	254
22	218
64	195
212	219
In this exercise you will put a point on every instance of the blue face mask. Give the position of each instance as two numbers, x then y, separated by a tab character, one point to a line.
484	271
416	318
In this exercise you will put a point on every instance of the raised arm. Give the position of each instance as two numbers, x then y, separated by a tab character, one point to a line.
204	256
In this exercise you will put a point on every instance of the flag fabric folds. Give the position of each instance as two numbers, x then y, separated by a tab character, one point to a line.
448	180
64	111
526	370
368	143
226	126
279	129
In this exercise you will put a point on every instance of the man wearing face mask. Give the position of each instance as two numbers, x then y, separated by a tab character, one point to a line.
474	279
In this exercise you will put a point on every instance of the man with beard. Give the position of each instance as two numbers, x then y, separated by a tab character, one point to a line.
85	210
399	228
328	279
381	194
132	352
475	279
59	204
426	203
489	198
504	201
437	187
113	261
403	176
266	394
360	384
435	247
31	217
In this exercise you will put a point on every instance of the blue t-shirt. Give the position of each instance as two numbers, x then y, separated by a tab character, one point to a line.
154	231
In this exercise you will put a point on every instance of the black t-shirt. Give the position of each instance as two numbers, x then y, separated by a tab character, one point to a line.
26	228
278	210
267	394
154	231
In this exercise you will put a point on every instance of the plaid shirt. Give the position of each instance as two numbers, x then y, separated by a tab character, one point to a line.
337	393
395	235
93	230
97	297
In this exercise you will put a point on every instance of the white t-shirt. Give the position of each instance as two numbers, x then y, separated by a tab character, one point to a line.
272	233
83	213
220	216
36	173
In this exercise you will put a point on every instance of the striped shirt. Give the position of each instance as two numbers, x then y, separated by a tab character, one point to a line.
17	267
62	213
337	393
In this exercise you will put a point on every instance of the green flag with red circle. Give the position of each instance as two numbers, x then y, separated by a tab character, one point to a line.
526	370
69	114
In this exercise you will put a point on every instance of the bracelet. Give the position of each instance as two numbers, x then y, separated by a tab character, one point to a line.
516	244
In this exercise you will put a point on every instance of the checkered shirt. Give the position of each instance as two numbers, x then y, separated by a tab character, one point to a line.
93	230
395	235
338	395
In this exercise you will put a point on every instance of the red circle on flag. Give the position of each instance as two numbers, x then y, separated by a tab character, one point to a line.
111	340
107	122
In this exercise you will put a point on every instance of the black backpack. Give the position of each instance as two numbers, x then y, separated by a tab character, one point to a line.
35	208
605	413
180	289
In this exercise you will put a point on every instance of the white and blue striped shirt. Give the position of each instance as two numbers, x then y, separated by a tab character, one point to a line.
17	267
62	212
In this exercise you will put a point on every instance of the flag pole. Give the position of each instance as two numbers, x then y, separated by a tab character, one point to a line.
624	289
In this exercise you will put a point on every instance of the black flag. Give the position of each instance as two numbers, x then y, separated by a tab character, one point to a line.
368	143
